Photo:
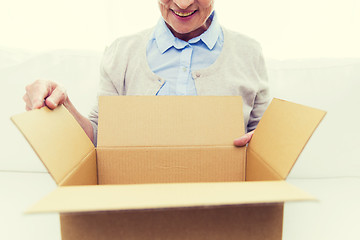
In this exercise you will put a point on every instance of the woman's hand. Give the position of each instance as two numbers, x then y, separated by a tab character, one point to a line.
44	93
47	93
243	140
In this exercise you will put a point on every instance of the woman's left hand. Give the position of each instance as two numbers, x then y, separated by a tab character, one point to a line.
243	140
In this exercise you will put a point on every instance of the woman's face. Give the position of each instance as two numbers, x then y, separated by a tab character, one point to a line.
186	18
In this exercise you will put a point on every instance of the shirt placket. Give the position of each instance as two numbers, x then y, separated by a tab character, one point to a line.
184	71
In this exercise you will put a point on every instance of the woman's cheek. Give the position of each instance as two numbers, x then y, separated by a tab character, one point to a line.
204	3
163	1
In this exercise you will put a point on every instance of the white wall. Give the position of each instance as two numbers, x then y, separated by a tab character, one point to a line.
285	28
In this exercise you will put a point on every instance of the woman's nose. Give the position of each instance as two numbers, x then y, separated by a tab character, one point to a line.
183	4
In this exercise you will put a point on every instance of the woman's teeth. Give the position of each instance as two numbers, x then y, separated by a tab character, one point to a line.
181	14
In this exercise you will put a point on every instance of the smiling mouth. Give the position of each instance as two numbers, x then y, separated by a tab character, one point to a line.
182	14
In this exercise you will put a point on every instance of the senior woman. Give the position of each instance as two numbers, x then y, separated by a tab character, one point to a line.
187	53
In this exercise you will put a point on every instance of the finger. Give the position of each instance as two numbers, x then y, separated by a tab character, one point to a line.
29	105
243	140
57	97
38	103
37	92
26	99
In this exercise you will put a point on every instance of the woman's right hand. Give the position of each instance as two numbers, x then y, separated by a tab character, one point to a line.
44	93
47	93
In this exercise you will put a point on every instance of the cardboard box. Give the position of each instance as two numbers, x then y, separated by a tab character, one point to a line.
166	168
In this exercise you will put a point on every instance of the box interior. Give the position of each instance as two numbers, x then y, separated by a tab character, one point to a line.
192	143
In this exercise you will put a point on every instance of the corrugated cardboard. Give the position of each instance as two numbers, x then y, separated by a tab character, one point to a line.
255	222
279	139
169	121
170	164
157	196
57	139
166	168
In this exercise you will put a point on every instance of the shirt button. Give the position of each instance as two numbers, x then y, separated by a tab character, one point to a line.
184	69
198	75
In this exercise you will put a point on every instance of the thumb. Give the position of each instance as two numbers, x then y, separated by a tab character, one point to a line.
57	97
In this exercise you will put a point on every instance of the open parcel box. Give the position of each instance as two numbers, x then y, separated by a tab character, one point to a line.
166	168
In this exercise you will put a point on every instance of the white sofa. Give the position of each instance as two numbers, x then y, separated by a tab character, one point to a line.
328	168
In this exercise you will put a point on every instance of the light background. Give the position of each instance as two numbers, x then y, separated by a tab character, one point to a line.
327	30
285	28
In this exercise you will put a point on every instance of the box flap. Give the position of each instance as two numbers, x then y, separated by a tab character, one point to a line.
281	136
56	137
156	196
169	120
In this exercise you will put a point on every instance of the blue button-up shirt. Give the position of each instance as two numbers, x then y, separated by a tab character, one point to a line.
174	59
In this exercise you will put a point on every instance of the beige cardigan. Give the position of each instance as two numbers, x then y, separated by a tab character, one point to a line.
239	70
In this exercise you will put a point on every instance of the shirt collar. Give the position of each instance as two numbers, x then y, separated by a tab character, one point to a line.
211	35
165	39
